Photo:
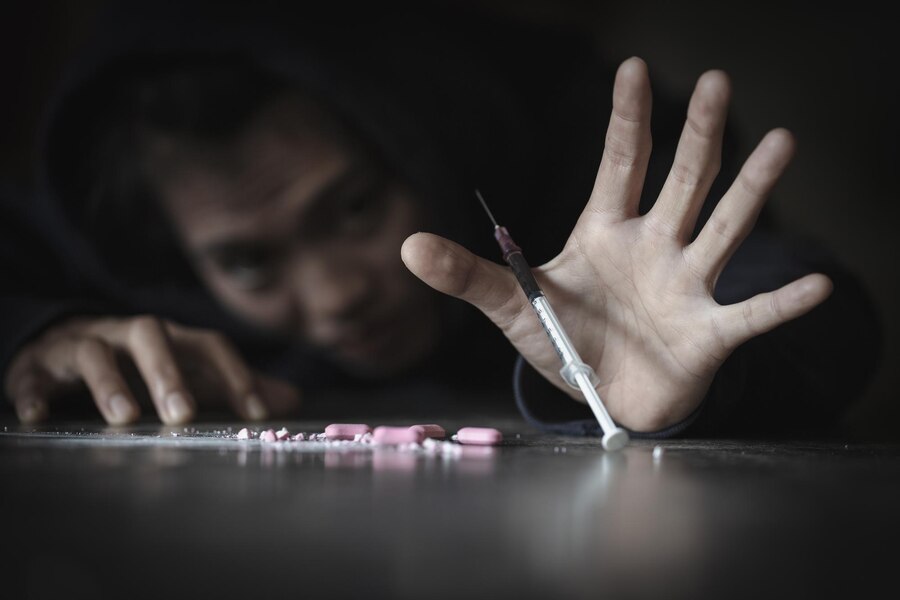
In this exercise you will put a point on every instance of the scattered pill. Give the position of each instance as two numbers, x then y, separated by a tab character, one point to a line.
398	435
433	431
346	431
417	439
479	435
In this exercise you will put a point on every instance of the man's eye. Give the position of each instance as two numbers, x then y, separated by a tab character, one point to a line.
358	204
363	213
249	270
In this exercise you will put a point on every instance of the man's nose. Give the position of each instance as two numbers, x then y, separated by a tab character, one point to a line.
331	293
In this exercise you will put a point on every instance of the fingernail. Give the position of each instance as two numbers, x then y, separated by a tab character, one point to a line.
177	408
255	408
32	411
120	408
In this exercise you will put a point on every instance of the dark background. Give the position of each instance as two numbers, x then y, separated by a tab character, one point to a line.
828	75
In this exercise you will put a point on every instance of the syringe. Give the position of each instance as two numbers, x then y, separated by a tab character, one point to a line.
574	371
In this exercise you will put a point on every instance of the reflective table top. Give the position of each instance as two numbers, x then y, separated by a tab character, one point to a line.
150	510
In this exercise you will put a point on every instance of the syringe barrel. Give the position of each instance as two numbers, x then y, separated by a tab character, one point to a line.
578	374
512	254
558	337
526	278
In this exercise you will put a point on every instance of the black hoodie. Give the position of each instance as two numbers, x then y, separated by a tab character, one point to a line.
452	99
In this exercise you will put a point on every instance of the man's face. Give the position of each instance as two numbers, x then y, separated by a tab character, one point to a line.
297	230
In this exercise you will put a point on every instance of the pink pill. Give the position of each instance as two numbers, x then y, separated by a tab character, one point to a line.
398	435
243	434
346	431
485	436
282	434
267	436
433	431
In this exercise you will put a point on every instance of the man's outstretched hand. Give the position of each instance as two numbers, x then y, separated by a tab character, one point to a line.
634	292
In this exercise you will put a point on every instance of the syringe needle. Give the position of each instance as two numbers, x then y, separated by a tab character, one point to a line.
486	209
574	371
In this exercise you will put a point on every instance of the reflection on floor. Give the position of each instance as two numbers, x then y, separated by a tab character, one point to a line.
538	515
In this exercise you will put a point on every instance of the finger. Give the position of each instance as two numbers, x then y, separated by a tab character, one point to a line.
620	178
26	387
734	216
449	268
97	365
763	312
697	159
240	383
150	349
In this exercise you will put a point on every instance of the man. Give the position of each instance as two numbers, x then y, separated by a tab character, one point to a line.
227	182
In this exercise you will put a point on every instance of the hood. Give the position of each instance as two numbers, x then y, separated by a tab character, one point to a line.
453	100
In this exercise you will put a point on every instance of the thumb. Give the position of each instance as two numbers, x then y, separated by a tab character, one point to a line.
449	268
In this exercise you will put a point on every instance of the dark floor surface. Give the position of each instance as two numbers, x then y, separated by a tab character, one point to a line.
133	513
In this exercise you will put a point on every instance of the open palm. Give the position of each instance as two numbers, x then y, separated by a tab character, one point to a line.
633	291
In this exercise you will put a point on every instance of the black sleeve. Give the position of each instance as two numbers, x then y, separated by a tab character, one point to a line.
38	288
797	379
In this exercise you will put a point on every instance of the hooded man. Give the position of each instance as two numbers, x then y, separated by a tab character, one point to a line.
228	183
